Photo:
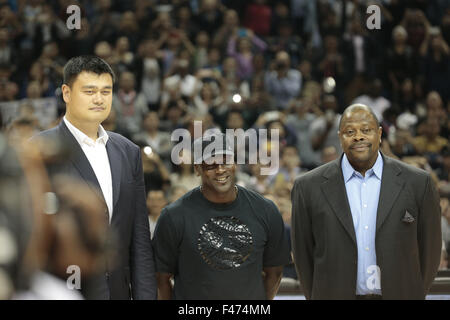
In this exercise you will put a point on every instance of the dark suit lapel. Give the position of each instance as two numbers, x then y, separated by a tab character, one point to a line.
116	168
391	185
334	191
79	160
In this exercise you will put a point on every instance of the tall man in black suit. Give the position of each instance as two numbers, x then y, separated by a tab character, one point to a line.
365	226
111	166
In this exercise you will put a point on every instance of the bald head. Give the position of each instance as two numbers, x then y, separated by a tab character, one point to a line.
354	108
283	57
360	136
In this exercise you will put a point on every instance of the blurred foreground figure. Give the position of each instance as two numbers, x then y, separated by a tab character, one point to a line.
70	247
365	226
15	222
45	236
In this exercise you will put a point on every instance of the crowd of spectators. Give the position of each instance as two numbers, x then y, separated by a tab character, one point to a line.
292	65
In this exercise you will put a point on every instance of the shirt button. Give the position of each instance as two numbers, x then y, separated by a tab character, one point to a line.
365	206
367	248
366	227
364	184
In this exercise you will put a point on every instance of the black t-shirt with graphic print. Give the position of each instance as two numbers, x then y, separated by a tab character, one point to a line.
218	251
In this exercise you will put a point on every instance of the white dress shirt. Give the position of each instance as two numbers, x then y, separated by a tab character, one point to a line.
97	155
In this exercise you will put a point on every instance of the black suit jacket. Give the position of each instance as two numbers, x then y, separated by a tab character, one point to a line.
134	263
408	246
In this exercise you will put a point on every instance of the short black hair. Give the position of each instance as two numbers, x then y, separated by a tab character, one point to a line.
87	63
360	107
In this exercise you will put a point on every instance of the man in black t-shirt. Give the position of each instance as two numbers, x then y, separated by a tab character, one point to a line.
219	241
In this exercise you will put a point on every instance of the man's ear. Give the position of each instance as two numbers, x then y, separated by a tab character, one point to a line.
380	132
65	93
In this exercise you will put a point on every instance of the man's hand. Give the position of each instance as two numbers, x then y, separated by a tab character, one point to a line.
272	278
164	285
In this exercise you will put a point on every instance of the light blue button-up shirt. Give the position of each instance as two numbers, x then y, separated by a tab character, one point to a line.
363	194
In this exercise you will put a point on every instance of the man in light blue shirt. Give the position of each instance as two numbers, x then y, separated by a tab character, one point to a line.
363	193
365	226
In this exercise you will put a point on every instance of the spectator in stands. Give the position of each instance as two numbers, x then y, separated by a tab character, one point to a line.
184	21
430	141
210	16
285	40
444	171
151	136
9	90
129	104
177	192
52	62
156	201
435	108
201	50
156	175
445	26
324	129
360	63
11	20
82	41
208	97
8	53
123	55
374	99
104	50
241	46
445	211
283	82
174	116
286	136
184	173
331	61
290	166
436	67
37	73
400	62
300	120
329	154
181	84
148	72
49	28
416	25
228	28
129	28
258	17
232	83
104	22
406	99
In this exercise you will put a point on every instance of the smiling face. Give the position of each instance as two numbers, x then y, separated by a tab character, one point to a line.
360	137
89	98
218	179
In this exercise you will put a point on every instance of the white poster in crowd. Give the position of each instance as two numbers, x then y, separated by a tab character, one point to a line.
44	109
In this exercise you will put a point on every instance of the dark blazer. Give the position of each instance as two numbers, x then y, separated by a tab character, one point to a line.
408	246
134	263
